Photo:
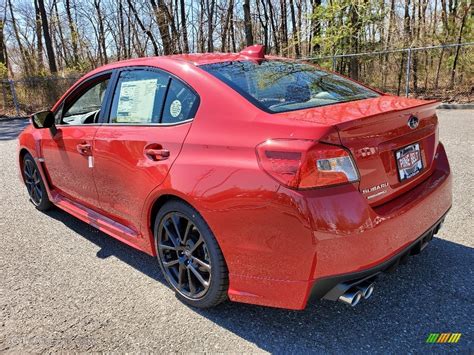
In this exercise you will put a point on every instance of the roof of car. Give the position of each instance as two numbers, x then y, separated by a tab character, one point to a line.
255	52
252	52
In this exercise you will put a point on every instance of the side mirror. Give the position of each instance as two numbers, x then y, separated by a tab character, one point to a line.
44	119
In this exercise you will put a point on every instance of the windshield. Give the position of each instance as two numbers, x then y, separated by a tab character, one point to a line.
279	86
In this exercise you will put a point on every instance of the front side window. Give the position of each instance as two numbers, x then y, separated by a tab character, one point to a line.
280	86
84	108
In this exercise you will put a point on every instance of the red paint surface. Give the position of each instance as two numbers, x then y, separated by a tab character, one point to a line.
276	241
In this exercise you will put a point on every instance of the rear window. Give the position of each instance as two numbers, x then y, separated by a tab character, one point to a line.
280	86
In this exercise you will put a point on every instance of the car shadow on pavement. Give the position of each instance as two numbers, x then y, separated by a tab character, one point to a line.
109	246
430	294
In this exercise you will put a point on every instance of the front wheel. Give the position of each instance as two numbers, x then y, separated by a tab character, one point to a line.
189	256
34	184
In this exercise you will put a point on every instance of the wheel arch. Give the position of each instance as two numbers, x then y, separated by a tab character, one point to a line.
155	206
21	156
159	202
22	151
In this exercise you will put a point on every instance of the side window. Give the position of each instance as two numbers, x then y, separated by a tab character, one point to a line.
85	108
138	97
181	103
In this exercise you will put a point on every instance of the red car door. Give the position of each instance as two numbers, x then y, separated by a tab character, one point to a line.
68	154
150	116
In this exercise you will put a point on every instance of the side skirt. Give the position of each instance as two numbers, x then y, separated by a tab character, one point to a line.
99	221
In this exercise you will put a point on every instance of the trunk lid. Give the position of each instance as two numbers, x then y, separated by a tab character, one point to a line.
374	130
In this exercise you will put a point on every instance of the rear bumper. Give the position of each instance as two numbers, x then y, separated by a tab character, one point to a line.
343	239
351	236
331	288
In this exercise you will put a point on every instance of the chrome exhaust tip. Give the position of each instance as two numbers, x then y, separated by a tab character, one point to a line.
366	289
351	297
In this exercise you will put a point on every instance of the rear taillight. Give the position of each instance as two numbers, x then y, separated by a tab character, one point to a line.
305	164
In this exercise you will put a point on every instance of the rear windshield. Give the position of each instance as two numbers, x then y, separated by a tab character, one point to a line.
280	86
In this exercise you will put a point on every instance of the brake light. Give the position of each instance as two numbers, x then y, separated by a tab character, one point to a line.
305	164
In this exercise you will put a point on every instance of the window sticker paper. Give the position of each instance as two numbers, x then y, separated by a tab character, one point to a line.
136	101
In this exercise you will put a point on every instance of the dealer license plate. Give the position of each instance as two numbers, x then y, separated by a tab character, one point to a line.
409	161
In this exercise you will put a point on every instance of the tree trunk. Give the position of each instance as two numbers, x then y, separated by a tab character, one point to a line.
47	38
248	24
201	41
263	21
438	68
391	17
416	37
39	37
406	30
2	43
3	48
23	54
295	34
232	32
284	27
276	40
227	25
456	56
315	28
73	32
62	41
163	25
129	33
299	24
101	30
210	7
122	51
184	27
354	40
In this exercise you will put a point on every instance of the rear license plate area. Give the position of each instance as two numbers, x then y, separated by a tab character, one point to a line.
409	162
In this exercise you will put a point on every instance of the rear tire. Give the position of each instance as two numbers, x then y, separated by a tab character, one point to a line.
34	184
189	256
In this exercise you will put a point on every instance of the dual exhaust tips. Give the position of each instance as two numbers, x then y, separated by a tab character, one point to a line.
355	294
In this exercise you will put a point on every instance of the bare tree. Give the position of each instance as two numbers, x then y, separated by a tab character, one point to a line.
284	27
73	32
248	23
184	27
39	38
467	8
143	28
295	29
2	43
47	37
227	24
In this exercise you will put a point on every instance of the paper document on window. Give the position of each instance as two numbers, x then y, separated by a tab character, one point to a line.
136	101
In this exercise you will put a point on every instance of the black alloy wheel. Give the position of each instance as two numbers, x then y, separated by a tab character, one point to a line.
189	256
34	184
184	255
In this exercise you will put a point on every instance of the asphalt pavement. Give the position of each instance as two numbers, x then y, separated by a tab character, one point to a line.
65	286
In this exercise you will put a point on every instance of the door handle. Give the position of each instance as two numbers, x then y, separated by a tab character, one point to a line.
157	154
84	149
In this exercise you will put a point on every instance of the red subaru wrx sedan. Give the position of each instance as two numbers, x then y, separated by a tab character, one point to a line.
254	178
